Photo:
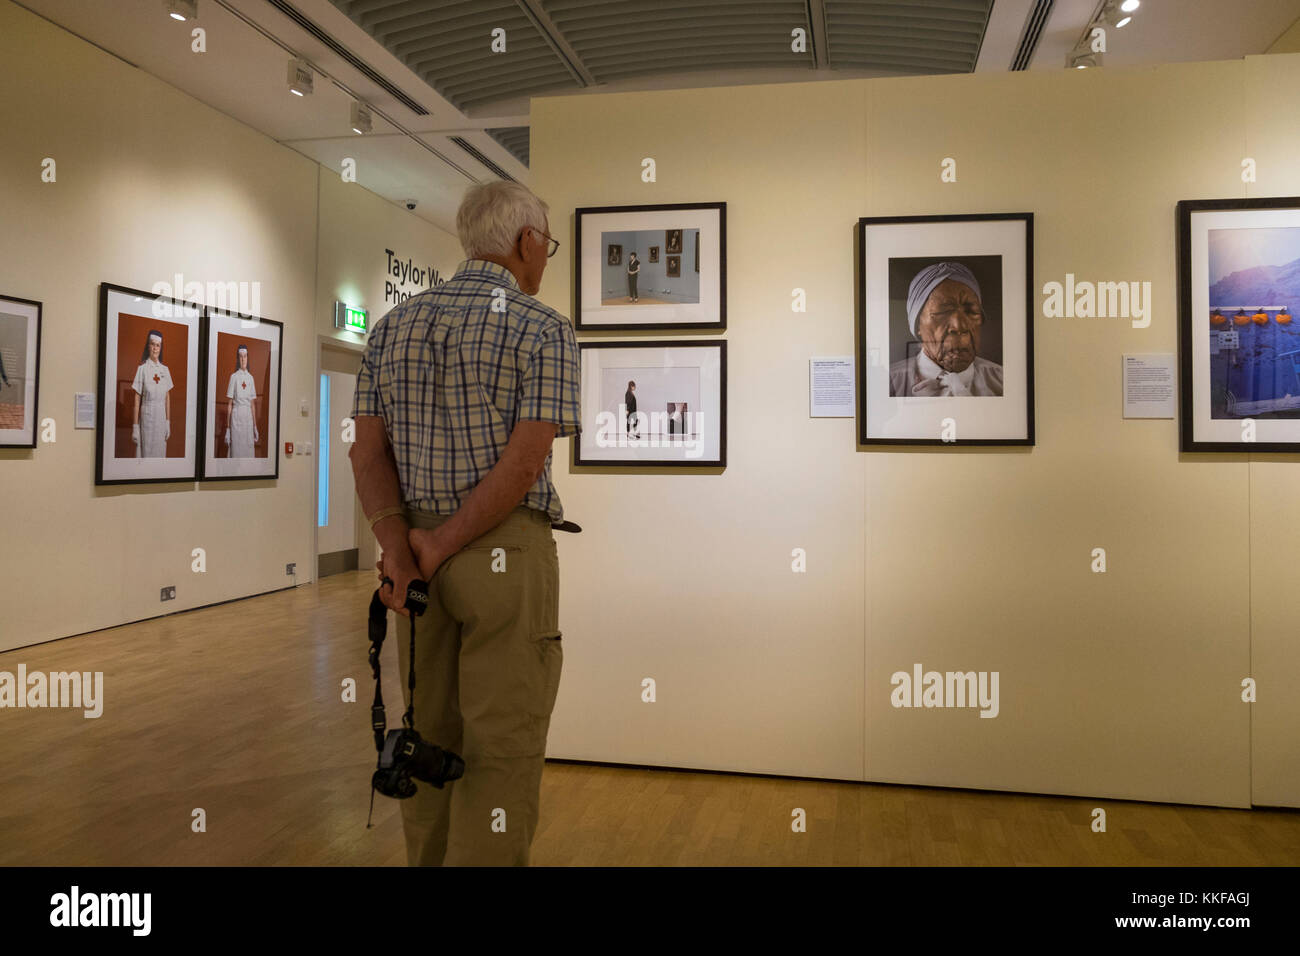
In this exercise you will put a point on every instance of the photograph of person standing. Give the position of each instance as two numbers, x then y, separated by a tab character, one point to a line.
633	267
629	400
151	412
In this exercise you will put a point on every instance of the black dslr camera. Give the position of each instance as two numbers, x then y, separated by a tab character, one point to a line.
404	756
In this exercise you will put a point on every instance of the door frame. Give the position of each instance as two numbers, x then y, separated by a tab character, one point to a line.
323	342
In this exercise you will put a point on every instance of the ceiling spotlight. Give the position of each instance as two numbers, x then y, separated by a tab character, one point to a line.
1083	56
1128	6
1114	15
1082	59
182	9
300	76
361	123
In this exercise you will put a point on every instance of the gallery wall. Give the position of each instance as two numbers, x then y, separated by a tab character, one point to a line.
1123	684
151	183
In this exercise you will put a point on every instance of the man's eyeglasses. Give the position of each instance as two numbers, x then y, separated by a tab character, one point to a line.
554	244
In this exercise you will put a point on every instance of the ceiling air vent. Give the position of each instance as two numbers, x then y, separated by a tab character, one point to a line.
1034	24
479	157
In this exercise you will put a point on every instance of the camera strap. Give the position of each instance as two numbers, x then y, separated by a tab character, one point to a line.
417	599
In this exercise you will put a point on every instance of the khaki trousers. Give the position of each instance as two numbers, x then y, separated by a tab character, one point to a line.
487	670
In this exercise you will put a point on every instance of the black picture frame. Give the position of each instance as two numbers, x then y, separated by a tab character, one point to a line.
273	441
715	322
36	385
862	366
192	375
577	459
1189	327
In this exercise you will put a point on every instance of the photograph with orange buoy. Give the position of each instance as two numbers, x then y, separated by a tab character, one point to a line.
1254	353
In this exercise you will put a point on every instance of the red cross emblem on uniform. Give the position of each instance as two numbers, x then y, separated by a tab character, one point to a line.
243	385
155	378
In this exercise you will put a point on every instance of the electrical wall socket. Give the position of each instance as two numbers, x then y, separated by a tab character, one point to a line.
168	594
290	569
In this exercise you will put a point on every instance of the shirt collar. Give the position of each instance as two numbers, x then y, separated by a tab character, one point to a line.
930	369
487	271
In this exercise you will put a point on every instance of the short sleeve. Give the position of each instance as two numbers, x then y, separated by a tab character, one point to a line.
252	388
230	389
367	400
138	382
550	388
167	377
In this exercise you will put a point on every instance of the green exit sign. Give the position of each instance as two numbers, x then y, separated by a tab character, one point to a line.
354	320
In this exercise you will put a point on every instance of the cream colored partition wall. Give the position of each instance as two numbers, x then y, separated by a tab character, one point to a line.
1122	684
1115	684
686	578
1273	141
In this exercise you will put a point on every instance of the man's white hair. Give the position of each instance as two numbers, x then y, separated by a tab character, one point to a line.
492	215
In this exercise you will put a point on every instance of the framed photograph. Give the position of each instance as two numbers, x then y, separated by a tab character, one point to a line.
653	403
147	417
640	289
241	408
20	371
1238	345
946	353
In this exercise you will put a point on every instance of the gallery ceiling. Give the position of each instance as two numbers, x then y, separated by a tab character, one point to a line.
449	112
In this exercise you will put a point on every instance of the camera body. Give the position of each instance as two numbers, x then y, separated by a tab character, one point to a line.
406	757
410	203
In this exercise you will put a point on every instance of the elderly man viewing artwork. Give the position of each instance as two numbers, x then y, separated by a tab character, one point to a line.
945	311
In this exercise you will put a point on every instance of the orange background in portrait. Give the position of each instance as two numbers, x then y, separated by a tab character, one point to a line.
132	333
259	366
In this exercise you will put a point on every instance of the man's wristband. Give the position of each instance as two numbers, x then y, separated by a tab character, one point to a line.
383	513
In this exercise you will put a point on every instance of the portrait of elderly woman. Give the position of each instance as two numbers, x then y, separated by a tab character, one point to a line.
950	318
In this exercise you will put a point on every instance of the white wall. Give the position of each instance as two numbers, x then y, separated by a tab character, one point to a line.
1117	685
152	183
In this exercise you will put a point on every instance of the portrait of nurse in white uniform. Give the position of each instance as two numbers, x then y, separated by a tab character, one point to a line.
241	409
151	417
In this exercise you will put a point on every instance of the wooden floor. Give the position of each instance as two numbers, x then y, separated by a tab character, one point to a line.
236	709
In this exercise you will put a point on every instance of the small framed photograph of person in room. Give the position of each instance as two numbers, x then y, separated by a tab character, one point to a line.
147	415
241	405
945	307
1238	341
640	289
20	369
653	403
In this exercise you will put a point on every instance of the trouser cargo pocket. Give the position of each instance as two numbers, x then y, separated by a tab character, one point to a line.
550	651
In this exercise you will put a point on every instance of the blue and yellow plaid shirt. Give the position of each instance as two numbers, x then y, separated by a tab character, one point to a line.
450	377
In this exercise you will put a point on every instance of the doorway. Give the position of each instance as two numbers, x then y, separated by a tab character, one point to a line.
339	544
